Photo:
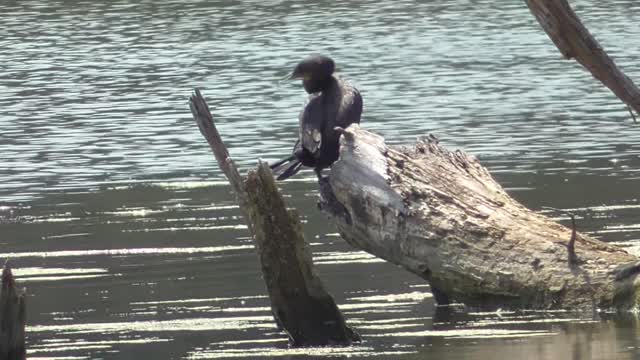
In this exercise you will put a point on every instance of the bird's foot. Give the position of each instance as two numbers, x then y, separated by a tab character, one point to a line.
319	174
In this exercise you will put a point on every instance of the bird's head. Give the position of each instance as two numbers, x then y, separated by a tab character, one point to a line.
315	71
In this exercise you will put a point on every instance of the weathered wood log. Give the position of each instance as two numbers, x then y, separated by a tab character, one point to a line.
12	319
572	38
299	302
441	215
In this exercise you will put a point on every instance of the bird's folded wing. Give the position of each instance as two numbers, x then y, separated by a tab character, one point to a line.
350	106
311	122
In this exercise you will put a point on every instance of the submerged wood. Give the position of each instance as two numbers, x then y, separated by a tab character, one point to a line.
441	215
12	319
299	302
572	38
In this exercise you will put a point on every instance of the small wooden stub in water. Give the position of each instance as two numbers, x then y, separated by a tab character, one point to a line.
440	215
300	304
12	319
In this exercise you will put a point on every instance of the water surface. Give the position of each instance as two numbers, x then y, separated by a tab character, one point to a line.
128	239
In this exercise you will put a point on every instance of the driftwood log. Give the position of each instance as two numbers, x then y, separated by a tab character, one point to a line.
300	304
12	319
574	41
440	215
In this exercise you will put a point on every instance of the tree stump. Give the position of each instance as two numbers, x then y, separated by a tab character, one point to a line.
12	319
299	302
440	215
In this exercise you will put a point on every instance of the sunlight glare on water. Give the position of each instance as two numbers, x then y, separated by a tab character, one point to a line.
116	218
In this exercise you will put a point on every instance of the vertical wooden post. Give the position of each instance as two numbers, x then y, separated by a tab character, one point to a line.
12	319
300	304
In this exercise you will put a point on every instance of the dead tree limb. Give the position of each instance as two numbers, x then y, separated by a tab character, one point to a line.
441	215
299	302
572	38
12	319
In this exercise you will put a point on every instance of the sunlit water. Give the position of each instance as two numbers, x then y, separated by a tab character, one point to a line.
130	244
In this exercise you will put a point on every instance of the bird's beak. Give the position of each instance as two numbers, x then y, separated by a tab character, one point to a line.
287	77
297	76
284	78
292	76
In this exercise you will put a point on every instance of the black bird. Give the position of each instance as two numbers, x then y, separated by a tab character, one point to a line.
333	102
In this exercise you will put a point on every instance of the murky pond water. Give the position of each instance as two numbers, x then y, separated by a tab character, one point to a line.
128	239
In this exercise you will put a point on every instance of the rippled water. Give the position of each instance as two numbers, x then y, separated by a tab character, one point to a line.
128	239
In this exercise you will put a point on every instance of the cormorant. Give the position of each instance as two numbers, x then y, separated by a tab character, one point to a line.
333	102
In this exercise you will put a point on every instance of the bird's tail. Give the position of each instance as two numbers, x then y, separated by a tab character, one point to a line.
290	170
281	162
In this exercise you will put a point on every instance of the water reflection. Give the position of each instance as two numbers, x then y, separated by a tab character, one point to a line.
130	243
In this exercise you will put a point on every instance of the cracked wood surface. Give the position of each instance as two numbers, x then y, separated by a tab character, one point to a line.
441	215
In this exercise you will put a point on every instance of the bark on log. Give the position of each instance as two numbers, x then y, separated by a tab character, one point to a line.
441	215
12	319
300	304
572	38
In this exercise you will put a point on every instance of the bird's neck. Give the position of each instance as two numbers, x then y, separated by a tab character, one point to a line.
313	86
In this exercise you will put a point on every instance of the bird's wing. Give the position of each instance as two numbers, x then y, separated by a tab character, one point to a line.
311	121
350	106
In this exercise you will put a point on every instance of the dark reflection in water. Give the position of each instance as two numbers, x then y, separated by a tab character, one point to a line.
128	239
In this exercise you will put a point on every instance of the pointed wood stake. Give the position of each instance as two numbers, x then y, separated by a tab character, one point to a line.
12	318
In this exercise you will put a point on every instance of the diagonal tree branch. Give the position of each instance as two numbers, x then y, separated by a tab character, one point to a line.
572	38
204	119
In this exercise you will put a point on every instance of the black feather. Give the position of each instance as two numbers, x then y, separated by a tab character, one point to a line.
291	170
